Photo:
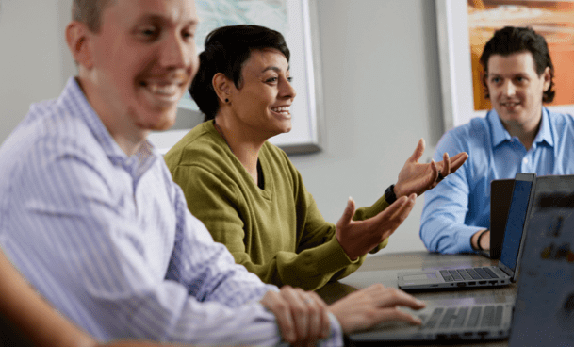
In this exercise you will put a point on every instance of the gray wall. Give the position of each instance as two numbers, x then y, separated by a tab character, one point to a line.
381	93
380	84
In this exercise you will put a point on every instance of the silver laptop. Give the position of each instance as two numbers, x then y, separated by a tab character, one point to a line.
464	322
502	274
544	314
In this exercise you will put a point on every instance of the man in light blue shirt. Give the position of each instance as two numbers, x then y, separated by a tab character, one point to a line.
517	135
90	216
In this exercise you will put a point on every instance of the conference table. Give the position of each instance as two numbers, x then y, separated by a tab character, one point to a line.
384	268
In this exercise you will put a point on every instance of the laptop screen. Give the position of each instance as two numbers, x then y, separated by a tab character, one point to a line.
544	313
515	223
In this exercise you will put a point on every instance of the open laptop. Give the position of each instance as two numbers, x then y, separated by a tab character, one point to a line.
544	313
502	274
463	322
500	197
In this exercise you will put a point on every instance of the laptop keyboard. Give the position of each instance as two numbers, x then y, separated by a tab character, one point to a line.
465	316
477	273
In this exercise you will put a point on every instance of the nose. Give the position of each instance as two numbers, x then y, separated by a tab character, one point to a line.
508	88
177	53
287	91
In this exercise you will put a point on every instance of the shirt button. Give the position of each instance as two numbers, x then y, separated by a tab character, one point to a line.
525	160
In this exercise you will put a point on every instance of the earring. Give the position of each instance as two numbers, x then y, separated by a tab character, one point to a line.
226	100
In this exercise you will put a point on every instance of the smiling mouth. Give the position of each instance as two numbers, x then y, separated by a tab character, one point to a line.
283	111
163	92
509	104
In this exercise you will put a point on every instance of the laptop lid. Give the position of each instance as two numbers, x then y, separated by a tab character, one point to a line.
500	197
544	312
520	207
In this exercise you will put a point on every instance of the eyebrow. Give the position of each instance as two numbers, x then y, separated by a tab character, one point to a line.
274	69
163	19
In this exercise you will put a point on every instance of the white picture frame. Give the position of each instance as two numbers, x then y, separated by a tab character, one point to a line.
304	64
455	64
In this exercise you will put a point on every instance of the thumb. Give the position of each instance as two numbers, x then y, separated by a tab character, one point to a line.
347	216
419	150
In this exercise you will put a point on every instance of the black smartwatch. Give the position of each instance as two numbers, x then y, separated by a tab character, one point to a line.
390	195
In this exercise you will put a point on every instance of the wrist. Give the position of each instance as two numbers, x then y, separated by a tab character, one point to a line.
478	239
390	195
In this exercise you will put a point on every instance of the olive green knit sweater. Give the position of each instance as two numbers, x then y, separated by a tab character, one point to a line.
277	233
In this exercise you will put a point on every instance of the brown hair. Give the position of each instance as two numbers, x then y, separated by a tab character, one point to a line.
90	12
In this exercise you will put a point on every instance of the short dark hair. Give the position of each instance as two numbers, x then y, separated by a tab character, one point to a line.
90	12
510	40
226	50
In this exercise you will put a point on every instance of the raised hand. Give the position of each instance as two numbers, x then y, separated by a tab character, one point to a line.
358	238
364	308
417	178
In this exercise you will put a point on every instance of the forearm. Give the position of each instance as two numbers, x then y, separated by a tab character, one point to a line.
310	269
443	236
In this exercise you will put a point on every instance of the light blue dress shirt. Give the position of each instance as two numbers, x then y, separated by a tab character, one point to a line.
109	240
460	206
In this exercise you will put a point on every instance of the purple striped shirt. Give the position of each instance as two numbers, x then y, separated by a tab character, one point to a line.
109	241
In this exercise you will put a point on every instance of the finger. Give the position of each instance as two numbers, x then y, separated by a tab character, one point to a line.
300	313
457	161
394	314
446	165
436	174
324	314
279	307
316	312
348	213
399	215
418	151
396	297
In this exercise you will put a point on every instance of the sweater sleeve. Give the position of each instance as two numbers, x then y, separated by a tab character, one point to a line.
318	233
216	203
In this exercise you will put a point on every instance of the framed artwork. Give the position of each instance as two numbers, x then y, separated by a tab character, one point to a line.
296	20
463	27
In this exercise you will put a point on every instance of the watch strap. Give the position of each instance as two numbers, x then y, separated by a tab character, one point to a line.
390	196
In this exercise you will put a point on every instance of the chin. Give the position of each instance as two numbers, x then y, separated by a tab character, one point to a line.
164	122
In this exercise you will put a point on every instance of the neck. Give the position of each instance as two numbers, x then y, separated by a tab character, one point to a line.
524	132
128	137
240	143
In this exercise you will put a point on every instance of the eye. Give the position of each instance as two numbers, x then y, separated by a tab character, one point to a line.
148	32
495	79
188	34
289	79
271	79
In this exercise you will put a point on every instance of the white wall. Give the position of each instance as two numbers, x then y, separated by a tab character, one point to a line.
380	90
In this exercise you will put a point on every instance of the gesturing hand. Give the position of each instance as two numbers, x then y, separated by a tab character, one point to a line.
417	178
364	308
358	238
301	316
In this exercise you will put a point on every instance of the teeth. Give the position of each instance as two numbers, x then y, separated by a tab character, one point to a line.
280	109
166	89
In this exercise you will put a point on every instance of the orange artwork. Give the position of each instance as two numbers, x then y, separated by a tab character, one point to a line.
554	20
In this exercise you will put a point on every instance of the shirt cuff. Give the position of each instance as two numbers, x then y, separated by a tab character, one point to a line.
463	239
336	336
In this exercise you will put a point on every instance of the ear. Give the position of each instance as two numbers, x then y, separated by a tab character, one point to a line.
77	37
223	87
547	76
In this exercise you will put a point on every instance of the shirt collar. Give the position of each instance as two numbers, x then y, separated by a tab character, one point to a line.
500	134
74	99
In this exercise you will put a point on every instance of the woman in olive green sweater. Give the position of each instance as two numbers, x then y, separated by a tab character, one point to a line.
248	193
